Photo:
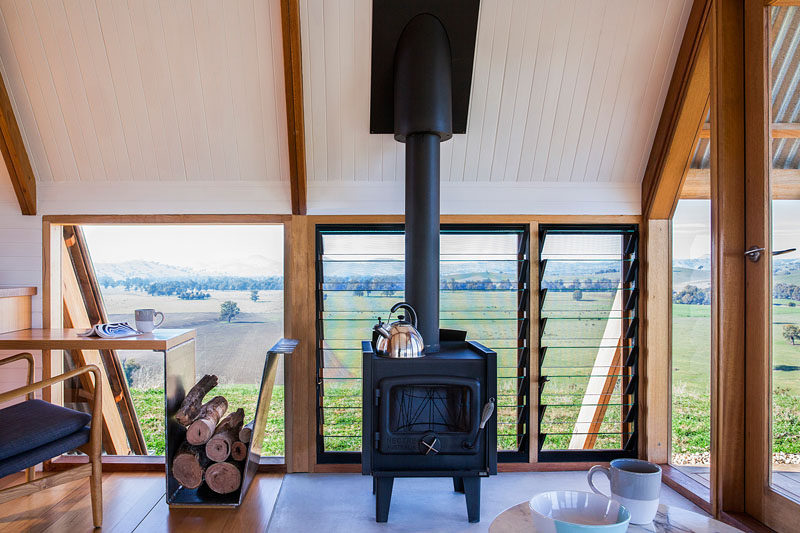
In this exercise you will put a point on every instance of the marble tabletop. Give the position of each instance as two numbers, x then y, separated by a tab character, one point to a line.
668	520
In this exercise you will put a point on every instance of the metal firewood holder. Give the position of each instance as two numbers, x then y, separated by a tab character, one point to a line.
179	377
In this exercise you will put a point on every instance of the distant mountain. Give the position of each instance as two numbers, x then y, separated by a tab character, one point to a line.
143	269
252	267
699	263
779	264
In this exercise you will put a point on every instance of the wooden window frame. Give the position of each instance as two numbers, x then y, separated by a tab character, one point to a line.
299	322
53	262
762	500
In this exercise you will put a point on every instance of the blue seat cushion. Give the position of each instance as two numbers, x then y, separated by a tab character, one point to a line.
34	423
44	452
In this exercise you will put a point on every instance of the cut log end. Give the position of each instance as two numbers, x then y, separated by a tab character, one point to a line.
223	478
239	451
219	447
187	468
200	431
204	426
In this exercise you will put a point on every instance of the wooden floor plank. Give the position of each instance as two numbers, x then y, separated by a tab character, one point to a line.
27	512
135	501
253	515
256	510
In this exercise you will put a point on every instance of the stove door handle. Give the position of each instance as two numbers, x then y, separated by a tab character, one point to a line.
486	414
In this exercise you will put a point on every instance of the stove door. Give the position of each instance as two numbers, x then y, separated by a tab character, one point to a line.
428	415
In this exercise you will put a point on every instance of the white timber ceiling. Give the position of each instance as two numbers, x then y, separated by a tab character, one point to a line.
148	90
565	101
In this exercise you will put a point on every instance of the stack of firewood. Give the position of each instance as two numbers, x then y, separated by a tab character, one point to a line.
215	447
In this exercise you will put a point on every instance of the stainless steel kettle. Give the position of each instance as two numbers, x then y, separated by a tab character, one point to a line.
400	339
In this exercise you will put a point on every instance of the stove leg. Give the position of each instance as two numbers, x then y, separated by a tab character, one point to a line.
458	484
383	497
472	492
374	484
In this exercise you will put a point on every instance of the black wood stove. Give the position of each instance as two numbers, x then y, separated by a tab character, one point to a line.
422	417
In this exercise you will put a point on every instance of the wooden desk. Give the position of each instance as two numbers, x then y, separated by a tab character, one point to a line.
68	339
177	345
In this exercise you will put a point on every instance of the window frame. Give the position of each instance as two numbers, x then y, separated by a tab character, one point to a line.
53	316
520	455
631	449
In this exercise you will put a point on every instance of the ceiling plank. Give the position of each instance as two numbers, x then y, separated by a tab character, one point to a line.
15	155
293	79
785	184
681	119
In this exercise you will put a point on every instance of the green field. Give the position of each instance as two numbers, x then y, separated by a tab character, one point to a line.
691	348
149	404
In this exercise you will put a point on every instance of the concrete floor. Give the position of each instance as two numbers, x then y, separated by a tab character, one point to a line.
322	503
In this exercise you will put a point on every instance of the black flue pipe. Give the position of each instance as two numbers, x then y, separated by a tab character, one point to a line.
423	118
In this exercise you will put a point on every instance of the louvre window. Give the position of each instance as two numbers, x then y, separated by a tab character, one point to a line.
588	342
484	290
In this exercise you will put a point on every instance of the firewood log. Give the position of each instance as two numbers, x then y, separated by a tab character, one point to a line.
206	422
246	433
189	466
223	478
239	451
220	445
193	401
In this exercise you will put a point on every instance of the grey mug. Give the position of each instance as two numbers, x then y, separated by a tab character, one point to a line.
146	319
636	484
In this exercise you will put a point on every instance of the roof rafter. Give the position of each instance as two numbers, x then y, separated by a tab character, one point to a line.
293	79
15	155
682	118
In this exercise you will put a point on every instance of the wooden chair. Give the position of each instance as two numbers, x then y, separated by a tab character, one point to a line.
35	431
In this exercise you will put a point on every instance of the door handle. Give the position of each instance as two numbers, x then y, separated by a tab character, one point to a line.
754	253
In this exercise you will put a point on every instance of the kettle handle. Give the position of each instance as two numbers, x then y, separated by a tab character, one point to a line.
407	307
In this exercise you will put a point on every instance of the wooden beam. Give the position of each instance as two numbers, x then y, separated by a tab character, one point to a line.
16	157
681	119
778	130
782	3
299	323
728	201
115	439
94	309
656	357
293	79
785	184
757	304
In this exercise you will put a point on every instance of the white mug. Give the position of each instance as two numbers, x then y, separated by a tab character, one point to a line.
145	319
636	484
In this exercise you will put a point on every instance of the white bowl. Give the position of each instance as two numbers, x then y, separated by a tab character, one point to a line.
572	511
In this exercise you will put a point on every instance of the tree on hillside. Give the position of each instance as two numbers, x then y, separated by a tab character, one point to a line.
791	333
577	295
254	295
229	310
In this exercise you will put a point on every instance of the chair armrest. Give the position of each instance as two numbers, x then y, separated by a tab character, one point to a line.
27	389
18	357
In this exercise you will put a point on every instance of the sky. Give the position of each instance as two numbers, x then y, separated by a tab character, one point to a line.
691	228
183	245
